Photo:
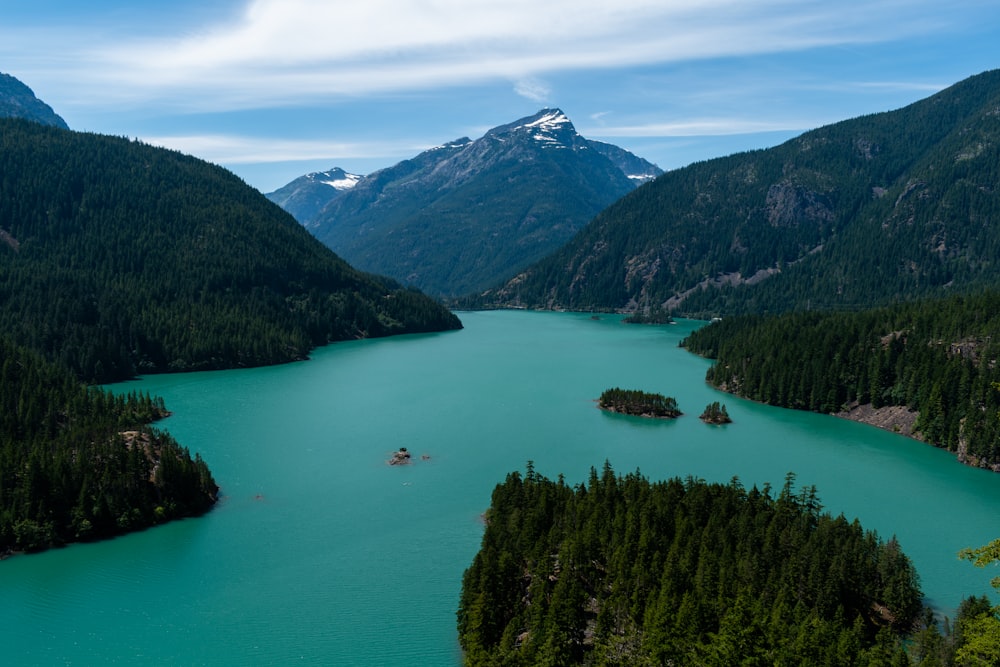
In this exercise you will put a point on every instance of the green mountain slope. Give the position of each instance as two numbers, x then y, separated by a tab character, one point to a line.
866	211
118	258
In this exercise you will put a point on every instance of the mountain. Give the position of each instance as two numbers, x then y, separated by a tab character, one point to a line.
306	196
465	215
18	101
872	210
118	258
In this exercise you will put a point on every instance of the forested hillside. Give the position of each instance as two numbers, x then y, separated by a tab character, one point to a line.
77	463
864	212
118	258
937	358
624	571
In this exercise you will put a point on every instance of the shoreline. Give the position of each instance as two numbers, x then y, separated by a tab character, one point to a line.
893	418
900	419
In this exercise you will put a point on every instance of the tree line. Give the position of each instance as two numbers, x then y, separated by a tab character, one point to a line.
116	259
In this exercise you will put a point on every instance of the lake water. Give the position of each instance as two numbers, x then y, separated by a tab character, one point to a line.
321	553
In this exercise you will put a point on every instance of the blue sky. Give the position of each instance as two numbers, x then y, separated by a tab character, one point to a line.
272	89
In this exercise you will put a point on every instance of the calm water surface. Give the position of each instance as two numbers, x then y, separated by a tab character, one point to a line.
320	553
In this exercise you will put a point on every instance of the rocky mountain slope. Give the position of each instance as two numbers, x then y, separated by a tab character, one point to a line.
18	101
462	216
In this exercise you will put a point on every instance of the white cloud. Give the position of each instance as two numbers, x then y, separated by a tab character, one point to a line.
236	149
700	128
283	52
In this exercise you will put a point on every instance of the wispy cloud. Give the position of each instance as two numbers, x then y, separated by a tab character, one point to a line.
282	52
698	128
533	89
240	149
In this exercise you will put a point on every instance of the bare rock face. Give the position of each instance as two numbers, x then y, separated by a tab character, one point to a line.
19	101
896	418
789	205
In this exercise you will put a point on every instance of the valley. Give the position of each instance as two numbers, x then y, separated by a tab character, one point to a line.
848	271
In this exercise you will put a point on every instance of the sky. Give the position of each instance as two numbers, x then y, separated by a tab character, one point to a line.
274	89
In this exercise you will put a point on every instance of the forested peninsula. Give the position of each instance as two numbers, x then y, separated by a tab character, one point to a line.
621	570
932	362
79	463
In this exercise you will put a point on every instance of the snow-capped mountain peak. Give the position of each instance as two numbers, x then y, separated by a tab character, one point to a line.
550	127
464	215
307	195
451	145
550	119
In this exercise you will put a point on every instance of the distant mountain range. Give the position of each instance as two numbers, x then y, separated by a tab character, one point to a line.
463	216
18	101
878	209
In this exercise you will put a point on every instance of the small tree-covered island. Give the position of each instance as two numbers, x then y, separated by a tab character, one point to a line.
621	570
639	403
715	413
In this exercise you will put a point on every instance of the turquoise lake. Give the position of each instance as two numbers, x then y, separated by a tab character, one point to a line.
321	553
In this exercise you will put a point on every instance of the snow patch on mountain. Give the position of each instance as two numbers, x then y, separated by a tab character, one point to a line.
550	121
642	178
458	143
547	126
346	183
